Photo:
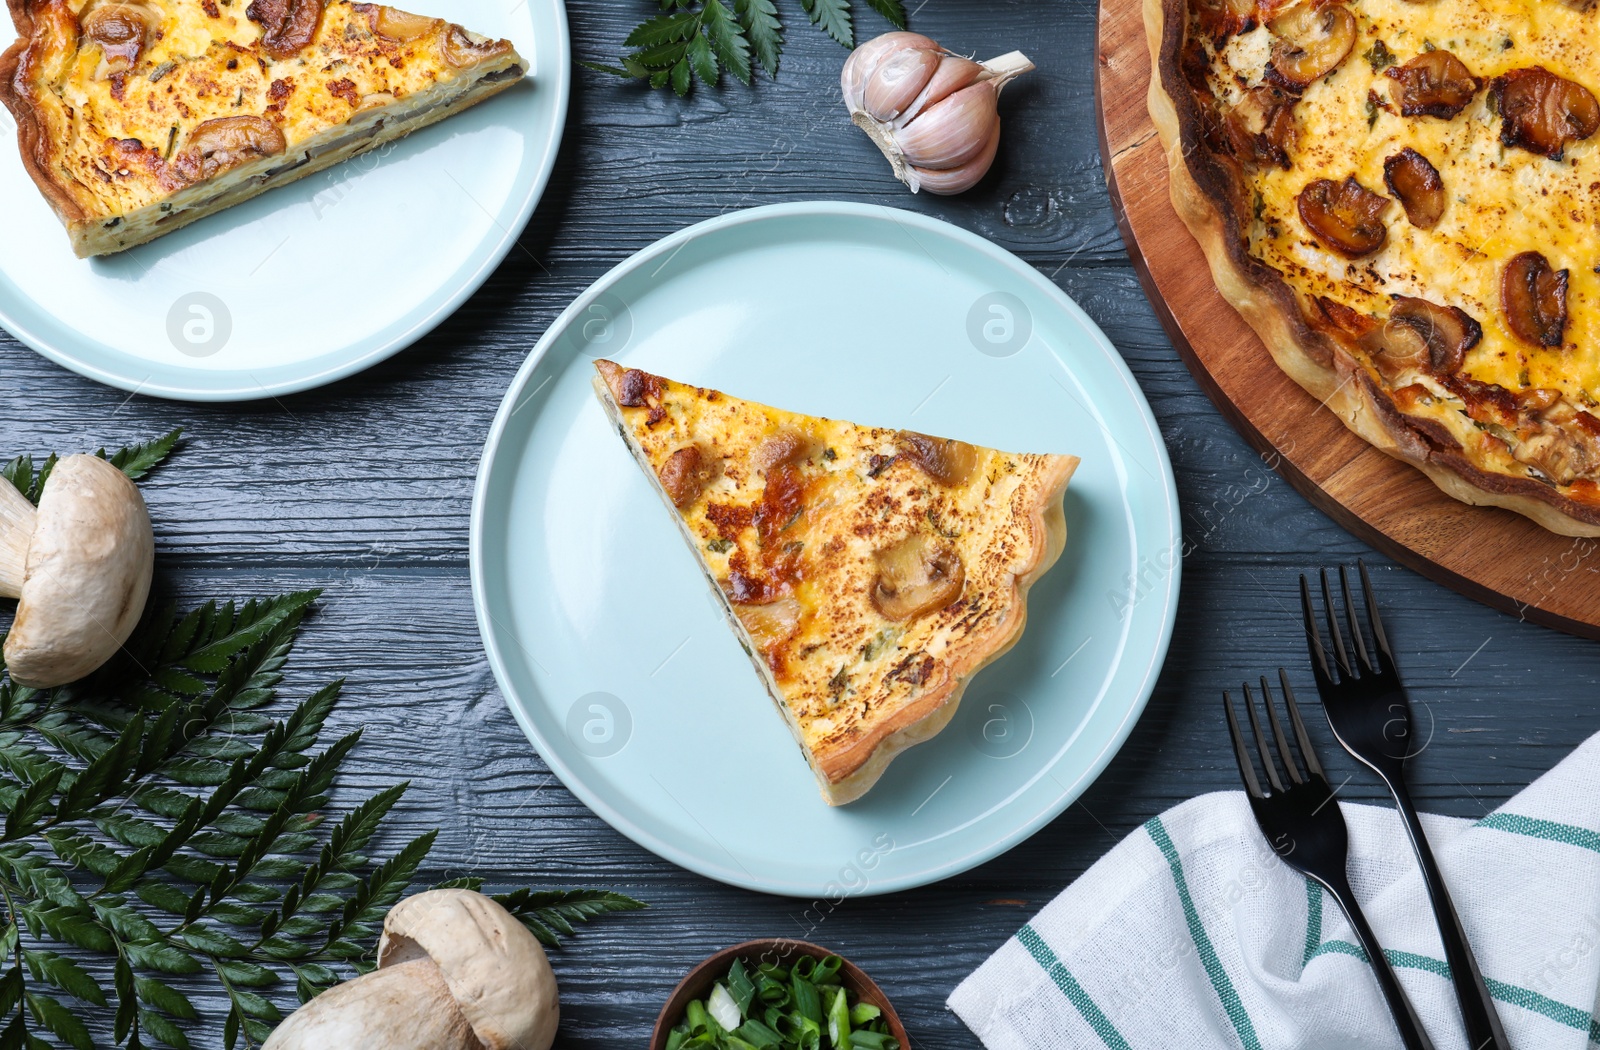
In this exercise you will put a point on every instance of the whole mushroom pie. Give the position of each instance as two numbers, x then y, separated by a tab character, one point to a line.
1402	198
137	117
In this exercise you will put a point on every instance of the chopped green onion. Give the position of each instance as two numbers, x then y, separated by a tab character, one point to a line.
827	970
741	987
861	1013
677	1037
759	1035
722	1007
698	1020
874	1041
839	1021
772	990
806	1001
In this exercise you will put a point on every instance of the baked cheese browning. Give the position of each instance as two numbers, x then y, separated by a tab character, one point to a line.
872	571
132	105
1431	198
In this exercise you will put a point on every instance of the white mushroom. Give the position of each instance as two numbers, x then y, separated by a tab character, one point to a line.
80	565
456	971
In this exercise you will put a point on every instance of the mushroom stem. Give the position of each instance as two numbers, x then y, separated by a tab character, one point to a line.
397	1008
17	518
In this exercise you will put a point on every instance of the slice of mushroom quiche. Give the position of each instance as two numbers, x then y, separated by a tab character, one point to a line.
870	573
137	117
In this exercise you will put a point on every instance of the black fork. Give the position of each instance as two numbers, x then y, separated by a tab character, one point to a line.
1371	717
1302	823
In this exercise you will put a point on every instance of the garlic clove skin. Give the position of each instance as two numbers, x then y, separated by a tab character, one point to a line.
959	180
898	81
953	74
953	132
864	60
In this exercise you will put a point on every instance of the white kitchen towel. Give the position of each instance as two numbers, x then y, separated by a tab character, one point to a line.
1191	934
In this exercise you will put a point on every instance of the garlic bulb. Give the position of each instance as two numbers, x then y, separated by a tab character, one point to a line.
934	114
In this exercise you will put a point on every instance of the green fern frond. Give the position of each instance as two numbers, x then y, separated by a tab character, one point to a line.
698	39
163	821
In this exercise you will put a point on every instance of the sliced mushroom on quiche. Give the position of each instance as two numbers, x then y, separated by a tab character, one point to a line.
869	573
137	117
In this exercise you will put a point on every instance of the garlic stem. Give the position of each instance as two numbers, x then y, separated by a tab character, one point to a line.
1007	68
17	517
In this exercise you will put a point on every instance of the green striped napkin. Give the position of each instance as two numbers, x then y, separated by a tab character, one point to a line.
1190	934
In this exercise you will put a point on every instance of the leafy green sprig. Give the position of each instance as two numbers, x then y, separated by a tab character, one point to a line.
698	39
163	823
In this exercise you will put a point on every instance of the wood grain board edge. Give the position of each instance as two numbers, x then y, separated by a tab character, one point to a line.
1492	556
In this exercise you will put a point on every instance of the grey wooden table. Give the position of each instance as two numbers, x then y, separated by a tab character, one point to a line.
364	489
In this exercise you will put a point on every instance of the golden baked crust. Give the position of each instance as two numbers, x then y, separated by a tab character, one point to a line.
137	117
791	517
1500	420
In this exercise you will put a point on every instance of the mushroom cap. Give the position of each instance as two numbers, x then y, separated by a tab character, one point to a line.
88	574
493	965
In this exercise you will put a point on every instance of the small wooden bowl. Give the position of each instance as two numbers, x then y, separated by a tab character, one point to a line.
783	951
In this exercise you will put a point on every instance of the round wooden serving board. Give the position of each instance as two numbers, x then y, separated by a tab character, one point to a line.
1495	556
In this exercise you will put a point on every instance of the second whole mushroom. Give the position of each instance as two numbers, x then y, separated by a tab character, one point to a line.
934	114
456	971
79	565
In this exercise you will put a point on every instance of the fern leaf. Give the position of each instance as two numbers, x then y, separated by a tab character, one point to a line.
665	30
33	805
11	985
163	1030
551	913
64	974
727	39
385	885
893	10
48	1013
138	460
253	623
703	61
105	776
71	926
834	17
761	25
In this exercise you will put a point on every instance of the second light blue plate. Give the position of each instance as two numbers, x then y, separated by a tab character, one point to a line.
613	654
311	282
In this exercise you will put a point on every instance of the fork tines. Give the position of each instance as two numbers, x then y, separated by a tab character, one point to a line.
1242	752
1363	662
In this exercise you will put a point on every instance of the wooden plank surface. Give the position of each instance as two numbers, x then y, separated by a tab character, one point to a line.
364	489
1493	555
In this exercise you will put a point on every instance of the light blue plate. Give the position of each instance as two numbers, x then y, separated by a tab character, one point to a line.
270	298
611	649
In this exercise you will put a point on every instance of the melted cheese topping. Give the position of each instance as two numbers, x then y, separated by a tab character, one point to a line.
116	137
1501	201
805	535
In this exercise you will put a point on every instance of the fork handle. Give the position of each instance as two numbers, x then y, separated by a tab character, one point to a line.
1484	1030
1412	1033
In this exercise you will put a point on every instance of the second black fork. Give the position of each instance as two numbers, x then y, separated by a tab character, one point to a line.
1370	715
